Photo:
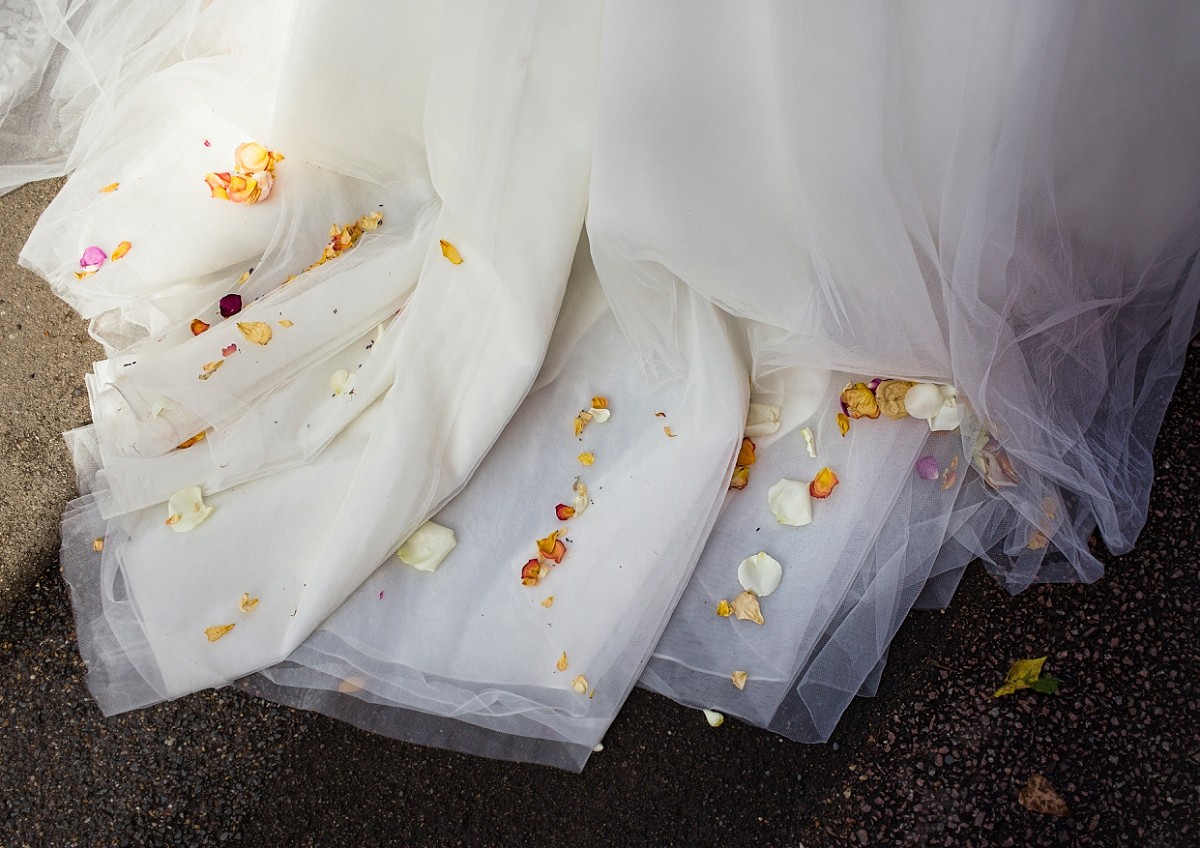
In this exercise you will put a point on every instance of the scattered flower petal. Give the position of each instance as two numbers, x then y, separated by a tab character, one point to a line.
351	685
889	394
580	684
532	572
739	679
548	602
843	422
599	414
1021	675
1039	796
247	604
724	609
186	509
338	380
160	406
760	574
580	501
859	401
210	368
552	548
229	350
581	421
252	156
120	250
429	544
256	332
823	484
746	452
1038	541
660	415
599	402
762	419
198	326
564	512
248	188
810	442
923	400
597	748
285	323
992	461
93	258
187	443
949	416
83	275
670	435
110	188
451	253
218	184
927	468
561	665
950	475
98	544
230	305
790	503
587	458
242	279
741	477
746	608
714	718
212	634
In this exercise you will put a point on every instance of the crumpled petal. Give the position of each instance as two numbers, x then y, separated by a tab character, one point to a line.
429	544
339	380
746	453
746	608
563	512
760	574
198	326
843	422
186	509
823	484
949	416
599	414
790	503
810	442
580	501
120	250
859	401
889	394
724	609
741	477
739	679
247	604
762	420
230	305
255	332
212	634
580	684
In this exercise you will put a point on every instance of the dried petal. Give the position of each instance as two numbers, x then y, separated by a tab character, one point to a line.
859	401
599	414
212	634
372	222
739	679
587	458
670	435
285	323
923	400
532	572
83	275
1039	796
741	477
927	468
992	461
186	510
198	326
548	602
949	416
564	512
429	544
252	156
724	609
98	544
762	419
93	258
580	502
580	684
1038	541
760	574
810	442
561	665
187	443
599	402
746	608
451	253
1021	675
218	184
339	380
581	421
714	718
120	250
249	188
230	305
351	685
843	422
746	452
889	394
823	484
790	503
210	368
552	548
111	187
660	415
247	604
229	350
256	332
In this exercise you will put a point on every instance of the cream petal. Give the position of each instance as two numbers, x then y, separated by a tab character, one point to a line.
186	509
810	442
429	544
160	406
600	415
924	400
760	574
580	501
947	418
790	503
761	420
339	381
715	719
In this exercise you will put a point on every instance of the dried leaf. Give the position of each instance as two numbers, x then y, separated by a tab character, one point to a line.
1022	674
548	602
198	326
564	512
579	684
451	253
587	458
714	718
98	544
890	396
216	632
760	574
746	452
120	250
210	368
741	476
746	608
667	430
739	679
247	604
256	332
823	484
724	609
858	401
1039	796
561	665
111	187
285	323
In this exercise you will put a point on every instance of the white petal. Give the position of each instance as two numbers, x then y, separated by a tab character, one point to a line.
186	509
580	502
761	420
810	442
429	544
715	719
339	380
923	400
947	418
598	747
160	406
600	415
790	503
760	574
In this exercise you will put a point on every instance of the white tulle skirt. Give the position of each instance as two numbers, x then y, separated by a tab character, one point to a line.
681	208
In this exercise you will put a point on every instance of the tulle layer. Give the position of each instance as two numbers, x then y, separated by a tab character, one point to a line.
678	208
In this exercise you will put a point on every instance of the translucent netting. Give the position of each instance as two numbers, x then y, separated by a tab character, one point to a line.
779	197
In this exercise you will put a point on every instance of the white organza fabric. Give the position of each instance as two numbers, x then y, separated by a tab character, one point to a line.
678	206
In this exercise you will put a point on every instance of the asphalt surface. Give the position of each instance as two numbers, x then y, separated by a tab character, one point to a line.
933	760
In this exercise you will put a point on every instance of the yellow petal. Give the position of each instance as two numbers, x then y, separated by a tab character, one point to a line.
860	401
890	396
216	632
746	453
587	458
580	684
724	609
739	679
667	430
110	188
427	547
741	477
285	323
549	602
242	279
120	250
351	685
186	509
256	332
247	603
746	608
1038	541
843	423
1021	675
581	421
451	253
210	368
600	402
561	665
98	544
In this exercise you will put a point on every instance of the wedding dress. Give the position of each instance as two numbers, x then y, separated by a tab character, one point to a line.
572	244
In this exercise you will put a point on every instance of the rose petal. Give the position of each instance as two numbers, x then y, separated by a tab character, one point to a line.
580	684
947	418
548	602
670	434
564	512
532	572
810	442
823	484
111	187
425	549
256	332
230	305
581	421
247	604
587	458
950	475
93	258
746	452
760	574
218	185
451	253
210	368
714	718
120	250
746	608
923	401
98	544
339	380
187	443
285	323
762	420
927	468
186	510
599	402
741	477
843	422
198	326
599	414
580	501
739	679
561	665
229	350
890	396
790	503
212	634
724	609
859	401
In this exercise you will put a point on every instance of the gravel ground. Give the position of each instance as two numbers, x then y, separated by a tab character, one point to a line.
933	760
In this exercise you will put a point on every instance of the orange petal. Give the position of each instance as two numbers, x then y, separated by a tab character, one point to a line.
451	253
120	250
843	423
218	184
564	512
823	484
531	573
111	187
198	326
600	402
860	401
741	476
561	665
187	443
724	609
746	453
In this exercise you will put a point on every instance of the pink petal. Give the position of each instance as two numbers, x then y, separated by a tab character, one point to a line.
927	468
